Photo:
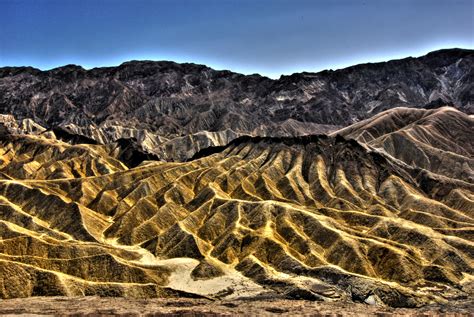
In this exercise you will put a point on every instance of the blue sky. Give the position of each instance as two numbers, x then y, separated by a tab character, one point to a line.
270	37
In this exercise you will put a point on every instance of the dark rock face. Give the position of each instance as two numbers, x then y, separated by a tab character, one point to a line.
157	103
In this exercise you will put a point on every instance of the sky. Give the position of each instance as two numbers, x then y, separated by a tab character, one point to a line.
270	37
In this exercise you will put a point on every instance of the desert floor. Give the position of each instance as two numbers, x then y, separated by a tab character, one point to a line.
94	306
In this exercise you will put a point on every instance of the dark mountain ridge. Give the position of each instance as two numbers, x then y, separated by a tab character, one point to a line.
160	103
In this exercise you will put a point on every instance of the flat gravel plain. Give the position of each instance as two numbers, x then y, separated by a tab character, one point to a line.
113	306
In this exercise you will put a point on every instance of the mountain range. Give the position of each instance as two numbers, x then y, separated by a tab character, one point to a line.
157	179
173	110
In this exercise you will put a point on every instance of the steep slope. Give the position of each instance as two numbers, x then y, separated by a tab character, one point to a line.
438	140
313	217
162	105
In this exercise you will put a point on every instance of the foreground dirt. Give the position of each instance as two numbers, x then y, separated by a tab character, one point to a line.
93	306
